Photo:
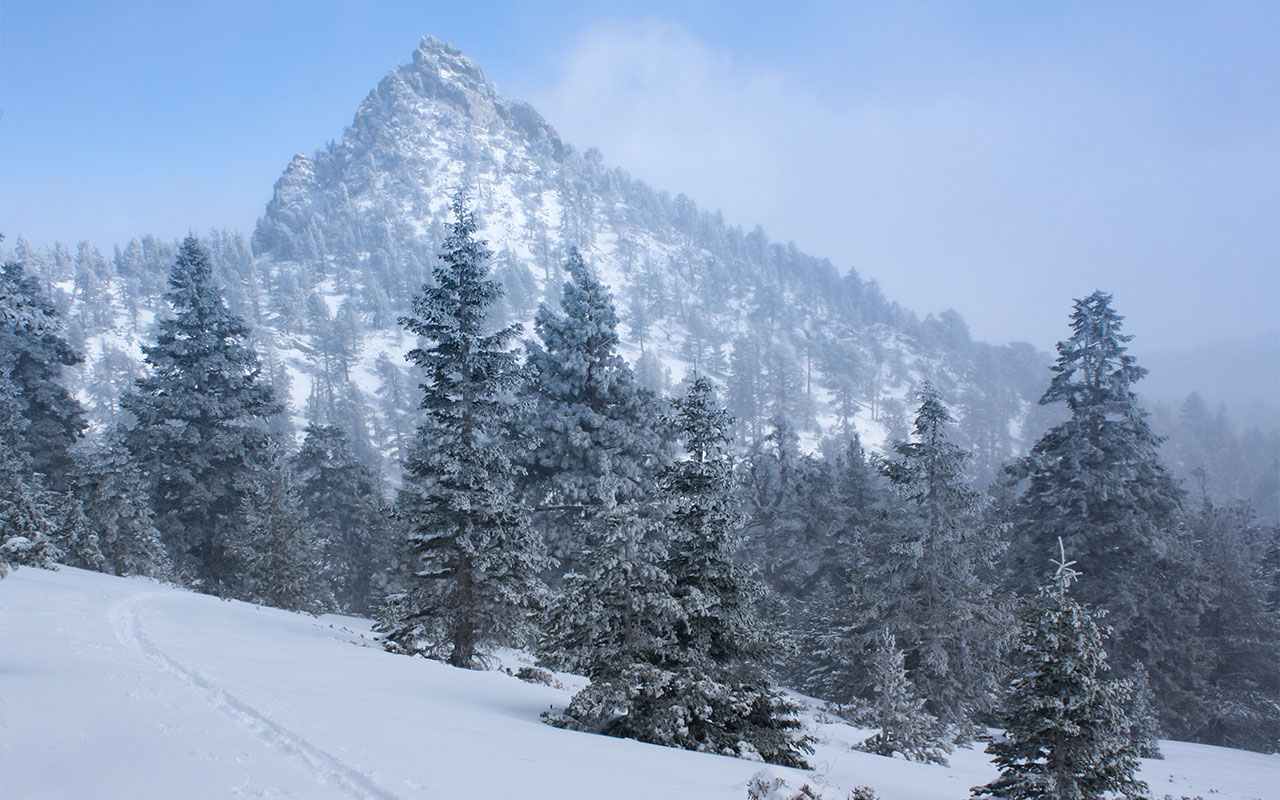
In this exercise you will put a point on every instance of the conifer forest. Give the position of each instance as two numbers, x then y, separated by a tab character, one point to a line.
467	381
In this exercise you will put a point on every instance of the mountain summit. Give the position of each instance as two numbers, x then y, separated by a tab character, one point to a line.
791	336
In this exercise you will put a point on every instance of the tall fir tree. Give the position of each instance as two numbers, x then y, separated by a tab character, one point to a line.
34	352
1066	736
117	504
201	426
932	579
719	631
702	688
1238	632
1096	481
343	503
27	513
597	444
469	567
897	711
280	550
597	438
42	423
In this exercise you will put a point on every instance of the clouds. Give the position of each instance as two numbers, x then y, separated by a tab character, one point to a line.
1002	180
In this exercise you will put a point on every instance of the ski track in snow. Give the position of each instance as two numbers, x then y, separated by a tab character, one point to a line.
123	616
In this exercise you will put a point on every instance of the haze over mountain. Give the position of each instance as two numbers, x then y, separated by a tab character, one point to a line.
351	232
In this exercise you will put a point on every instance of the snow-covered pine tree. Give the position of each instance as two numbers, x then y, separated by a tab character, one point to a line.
1239	632
279	550
1066	736
202	418
396	405
117	504
33	354
26	508
779	529
1096	481
590	477
343	503
597	434
719	632
898	711
468	571
616	610
932	578
701	690
831	660
1139	709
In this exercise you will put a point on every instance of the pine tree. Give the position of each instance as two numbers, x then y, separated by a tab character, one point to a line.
201	426
279	549
343	503
33	354
617	610
702	689
1065	736
396	407
904	725
589	474
778	532
834	625
1139	709
1096	481
27	527
469	567
932	578
719	630
1239	633
596	432
118	507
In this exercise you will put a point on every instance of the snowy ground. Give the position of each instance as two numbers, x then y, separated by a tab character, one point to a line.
126	688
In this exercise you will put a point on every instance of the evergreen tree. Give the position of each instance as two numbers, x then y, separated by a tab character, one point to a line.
469	566
617	610
596	432
118	507
278	548
1239	633
719	631
597	445
833	626
27	515
904	725
779	531
1139	709
1065	733
396	407
343	502
932	578
1096	480
699	689
33	354
201	426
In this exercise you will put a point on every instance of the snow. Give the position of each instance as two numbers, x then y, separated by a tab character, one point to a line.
115	688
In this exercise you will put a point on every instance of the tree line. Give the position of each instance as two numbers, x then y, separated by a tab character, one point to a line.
551	500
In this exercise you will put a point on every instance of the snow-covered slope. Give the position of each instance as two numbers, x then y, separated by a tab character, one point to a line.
351	232
126	688
789	334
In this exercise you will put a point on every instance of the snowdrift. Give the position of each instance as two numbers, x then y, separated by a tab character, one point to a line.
128	688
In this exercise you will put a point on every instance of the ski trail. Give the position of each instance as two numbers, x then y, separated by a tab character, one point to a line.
123	615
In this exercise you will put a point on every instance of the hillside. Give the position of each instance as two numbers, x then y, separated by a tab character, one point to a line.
115	687
350	234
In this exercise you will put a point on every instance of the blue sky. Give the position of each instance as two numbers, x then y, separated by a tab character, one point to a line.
1000	158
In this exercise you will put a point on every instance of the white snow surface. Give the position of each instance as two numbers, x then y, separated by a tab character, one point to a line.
128	688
